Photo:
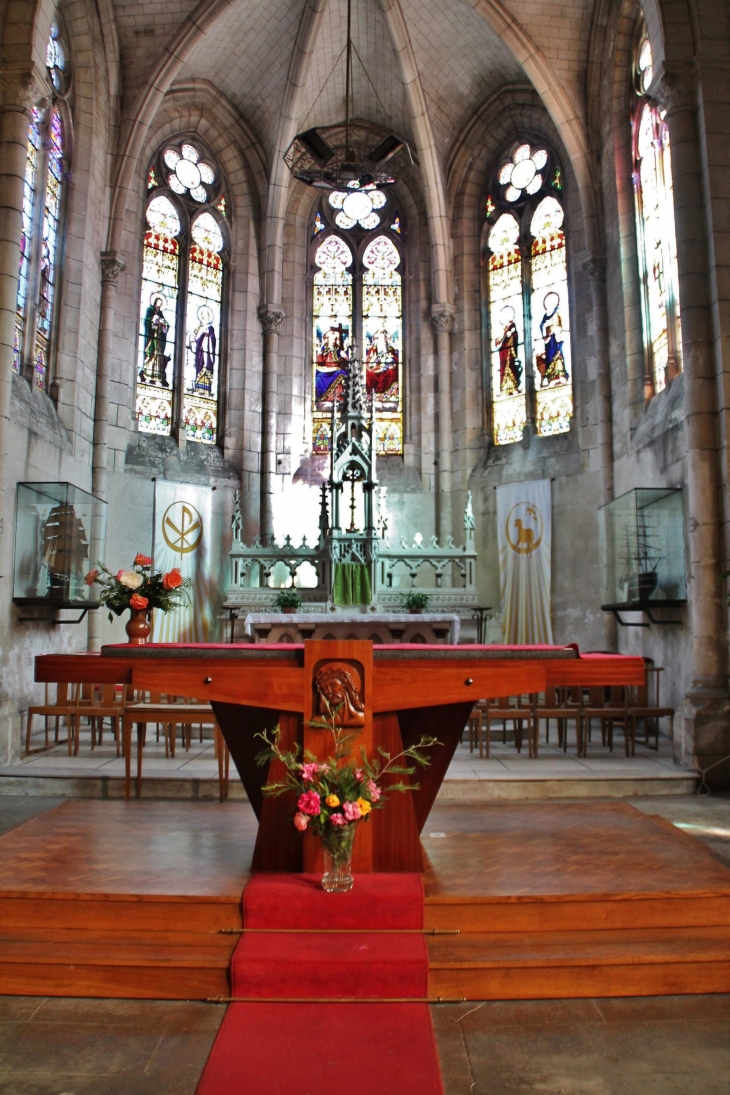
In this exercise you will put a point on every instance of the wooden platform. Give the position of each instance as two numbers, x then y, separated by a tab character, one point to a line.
550	899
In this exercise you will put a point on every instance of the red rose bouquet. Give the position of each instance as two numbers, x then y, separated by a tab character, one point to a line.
139	588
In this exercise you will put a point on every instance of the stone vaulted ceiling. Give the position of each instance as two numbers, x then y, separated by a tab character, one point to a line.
247	53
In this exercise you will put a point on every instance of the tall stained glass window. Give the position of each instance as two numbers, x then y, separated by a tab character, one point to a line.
331	326
358	296
506	320
657	243
41	222
182	297
527	286
550	319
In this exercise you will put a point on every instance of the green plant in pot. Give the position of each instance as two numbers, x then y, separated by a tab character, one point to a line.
415	601
287	600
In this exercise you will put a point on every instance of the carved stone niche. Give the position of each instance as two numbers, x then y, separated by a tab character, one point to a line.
340	685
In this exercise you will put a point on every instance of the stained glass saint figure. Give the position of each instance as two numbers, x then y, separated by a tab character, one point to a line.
154	367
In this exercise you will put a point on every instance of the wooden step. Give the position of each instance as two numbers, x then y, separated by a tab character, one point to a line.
27	908
579	912
555	965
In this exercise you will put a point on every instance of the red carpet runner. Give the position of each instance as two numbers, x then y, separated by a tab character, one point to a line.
371	1048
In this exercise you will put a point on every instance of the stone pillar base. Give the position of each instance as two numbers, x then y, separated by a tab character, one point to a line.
704	738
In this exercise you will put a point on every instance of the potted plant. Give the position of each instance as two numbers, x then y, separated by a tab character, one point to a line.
415	601
139	590
286	600
334	796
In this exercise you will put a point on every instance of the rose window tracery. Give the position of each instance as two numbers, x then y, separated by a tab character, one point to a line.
189	174
521	175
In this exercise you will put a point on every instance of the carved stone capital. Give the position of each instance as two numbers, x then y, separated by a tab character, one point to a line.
675	89
111	267
442	317
595	268
21	89
271	319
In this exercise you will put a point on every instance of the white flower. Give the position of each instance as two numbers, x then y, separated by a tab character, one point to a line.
130	579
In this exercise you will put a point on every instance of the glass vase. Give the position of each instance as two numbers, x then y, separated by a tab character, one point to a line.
337	848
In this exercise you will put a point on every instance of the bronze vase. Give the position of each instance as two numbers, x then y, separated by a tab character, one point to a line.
138	626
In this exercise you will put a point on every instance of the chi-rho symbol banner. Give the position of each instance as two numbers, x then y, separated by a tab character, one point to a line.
524	521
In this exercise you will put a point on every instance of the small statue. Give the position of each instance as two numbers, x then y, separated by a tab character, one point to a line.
237	519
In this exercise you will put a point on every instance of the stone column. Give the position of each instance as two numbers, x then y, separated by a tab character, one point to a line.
442	317
19	92
595	268
706	708
271	319
111	268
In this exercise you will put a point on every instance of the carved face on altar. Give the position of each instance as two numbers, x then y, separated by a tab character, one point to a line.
339	687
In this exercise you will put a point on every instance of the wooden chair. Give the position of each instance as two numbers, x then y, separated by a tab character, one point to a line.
610	706
99	702
645	706
169	714
64	707
518	714
564	705
475	728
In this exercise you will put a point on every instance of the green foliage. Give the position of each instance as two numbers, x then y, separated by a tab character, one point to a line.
415	599
342	781
286	598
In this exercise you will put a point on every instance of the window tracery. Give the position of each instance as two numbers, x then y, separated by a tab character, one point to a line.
182	296
527	289
656	239
41	222
357	296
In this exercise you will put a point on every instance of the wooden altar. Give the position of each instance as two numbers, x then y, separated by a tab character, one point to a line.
404	692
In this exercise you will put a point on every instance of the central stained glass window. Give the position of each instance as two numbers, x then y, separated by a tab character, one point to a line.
358	295
182	296
527	284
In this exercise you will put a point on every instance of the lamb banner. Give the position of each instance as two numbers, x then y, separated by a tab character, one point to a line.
524	522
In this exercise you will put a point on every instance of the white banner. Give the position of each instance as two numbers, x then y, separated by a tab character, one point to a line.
184	537
524	522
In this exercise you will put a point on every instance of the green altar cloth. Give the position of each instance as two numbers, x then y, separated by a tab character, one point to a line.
352	584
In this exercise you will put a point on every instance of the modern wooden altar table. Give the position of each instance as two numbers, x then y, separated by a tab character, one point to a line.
394	694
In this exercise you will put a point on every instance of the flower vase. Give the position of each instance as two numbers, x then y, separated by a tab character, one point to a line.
138	626
337	848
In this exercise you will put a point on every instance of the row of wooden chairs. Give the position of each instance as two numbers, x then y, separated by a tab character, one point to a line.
613	707
76	703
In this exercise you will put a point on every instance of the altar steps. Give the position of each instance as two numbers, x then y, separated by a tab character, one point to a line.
164	948
559	965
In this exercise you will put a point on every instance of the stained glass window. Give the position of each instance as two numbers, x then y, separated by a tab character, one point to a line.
26	236
382	339
158	317
331	324
506	316
49	247
41	222
550	320
527	277
657	244
178	376
203	312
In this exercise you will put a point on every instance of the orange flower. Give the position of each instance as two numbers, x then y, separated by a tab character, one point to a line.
142	560
173	579
91	577
135	601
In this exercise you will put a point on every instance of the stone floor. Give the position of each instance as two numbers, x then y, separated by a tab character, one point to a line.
675	1045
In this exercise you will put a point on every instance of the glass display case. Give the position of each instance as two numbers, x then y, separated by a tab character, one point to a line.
55	526
642	548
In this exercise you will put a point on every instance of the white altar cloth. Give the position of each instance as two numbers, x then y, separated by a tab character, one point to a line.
400	625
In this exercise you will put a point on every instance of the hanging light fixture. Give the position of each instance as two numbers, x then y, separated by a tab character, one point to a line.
318	157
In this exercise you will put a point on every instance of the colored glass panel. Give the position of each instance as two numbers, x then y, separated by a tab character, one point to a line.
26	233
331	323
550	320
507	331
657	242
382	333
203	330
49	247
158	312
